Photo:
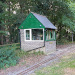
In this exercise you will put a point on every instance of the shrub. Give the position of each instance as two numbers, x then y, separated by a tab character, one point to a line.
62	41
7	57
38	53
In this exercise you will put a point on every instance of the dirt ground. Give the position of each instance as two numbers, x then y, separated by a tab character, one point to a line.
69	71
27	62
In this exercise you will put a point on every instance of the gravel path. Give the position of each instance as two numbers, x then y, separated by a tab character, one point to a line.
47	60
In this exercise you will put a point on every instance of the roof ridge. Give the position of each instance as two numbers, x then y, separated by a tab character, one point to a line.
37	14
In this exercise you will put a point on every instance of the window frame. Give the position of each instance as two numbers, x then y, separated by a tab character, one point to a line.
31	35
53	35
25	34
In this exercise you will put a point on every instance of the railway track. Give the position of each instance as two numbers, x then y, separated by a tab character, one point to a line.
58	55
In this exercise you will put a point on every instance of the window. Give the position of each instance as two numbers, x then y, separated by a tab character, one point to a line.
27	34
50	35
34	34
53	32
37	34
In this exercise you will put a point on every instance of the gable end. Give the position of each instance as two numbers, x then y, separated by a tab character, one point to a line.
31	22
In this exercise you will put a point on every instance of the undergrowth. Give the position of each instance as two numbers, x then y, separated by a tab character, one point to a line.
38	53
8	57
21	53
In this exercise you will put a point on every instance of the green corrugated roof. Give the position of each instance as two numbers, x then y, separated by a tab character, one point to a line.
31	22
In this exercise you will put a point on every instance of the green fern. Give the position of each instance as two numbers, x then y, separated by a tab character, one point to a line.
7	57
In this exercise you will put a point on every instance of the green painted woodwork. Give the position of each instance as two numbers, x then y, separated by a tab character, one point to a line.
31	22
51	39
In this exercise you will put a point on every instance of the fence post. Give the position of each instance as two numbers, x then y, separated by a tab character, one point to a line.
72	36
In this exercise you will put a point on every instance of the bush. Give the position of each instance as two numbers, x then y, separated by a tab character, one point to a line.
7	57
62	41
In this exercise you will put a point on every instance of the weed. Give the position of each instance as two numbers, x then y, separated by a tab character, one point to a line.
38	53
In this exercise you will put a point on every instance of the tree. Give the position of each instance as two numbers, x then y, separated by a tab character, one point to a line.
58	11
2	19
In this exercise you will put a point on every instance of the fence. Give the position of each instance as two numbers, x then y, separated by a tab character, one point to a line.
17	45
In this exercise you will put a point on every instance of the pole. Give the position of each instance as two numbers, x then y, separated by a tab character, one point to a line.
72	36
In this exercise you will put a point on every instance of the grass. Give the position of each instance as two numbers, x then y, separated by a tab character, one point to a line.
21	53
59	68
38	53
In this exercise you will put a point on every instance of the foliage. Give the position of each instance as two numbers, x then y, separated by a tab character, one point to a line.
12	13
2	26
38	53
8	57
72	7
59	12
3	32
14	45
66	37
62	41
21	53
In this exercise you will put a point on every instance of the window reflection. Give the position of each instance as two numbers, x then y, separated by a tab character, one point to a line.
37	34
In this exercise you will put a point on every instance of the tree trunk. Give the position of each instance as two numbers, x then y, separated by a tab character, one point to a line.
60	28
1	37
72	37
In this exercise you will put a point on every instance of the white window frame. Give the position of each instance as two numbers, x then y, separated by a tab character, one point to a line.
31	35
25	34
